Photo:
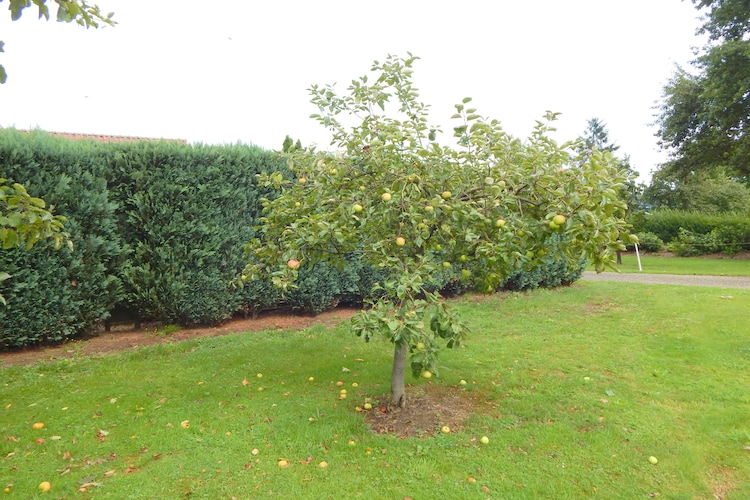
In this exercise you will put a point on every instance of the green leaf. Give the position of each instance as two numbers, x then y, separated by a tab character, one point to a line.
466	99
16	8
3	74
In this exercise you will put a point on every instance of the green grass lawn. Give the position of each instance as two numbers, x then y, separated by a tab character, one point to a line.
578	387
684	265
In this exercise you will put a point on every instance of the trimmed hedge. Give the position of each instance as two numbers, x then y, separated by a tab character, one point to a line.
187	212
55	295
697	233
159	230
554	271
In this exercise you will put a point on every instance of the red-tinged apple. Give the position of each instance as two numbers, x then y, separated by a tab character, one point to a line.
293	263
400	241
301	180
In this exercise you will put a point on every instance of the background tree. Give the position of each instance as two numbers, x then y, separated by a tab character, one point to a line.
80	11
709	192
413	207
289	145
703	113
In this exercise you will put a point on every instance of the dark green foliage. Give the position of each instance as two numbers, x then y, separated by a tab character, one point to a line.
554	271
159	230
698	233
702	117
54	295
318	288
187	211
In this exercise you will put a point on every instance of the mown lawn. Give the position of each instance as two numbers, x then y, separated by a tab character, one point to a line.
577	388
684	265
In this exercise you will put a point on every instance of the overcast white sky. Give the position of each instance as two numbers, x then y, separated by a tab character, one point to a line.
239	70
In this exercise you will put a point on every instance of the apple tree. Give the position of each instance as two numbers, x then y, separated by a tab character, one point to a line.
412	206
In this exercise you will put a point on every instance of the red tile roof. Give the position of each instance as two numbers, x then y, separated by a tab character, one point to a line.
110	138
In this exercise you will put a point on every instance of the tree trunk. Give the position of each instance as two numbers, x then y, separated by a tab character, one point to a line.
619	257
398	391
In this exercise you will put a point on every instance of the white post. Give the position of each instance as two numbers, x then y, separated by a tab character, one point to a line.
638	256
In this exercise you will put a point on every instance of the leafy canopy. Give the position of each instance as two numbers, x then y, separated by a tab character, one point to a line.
703	113
414	207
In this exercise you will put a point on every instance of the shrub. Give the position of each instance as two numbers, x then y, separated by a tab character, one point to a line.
648	242
689	244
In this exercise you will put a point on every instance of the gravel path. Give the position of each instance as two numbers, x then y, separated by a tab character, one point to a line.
671	279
